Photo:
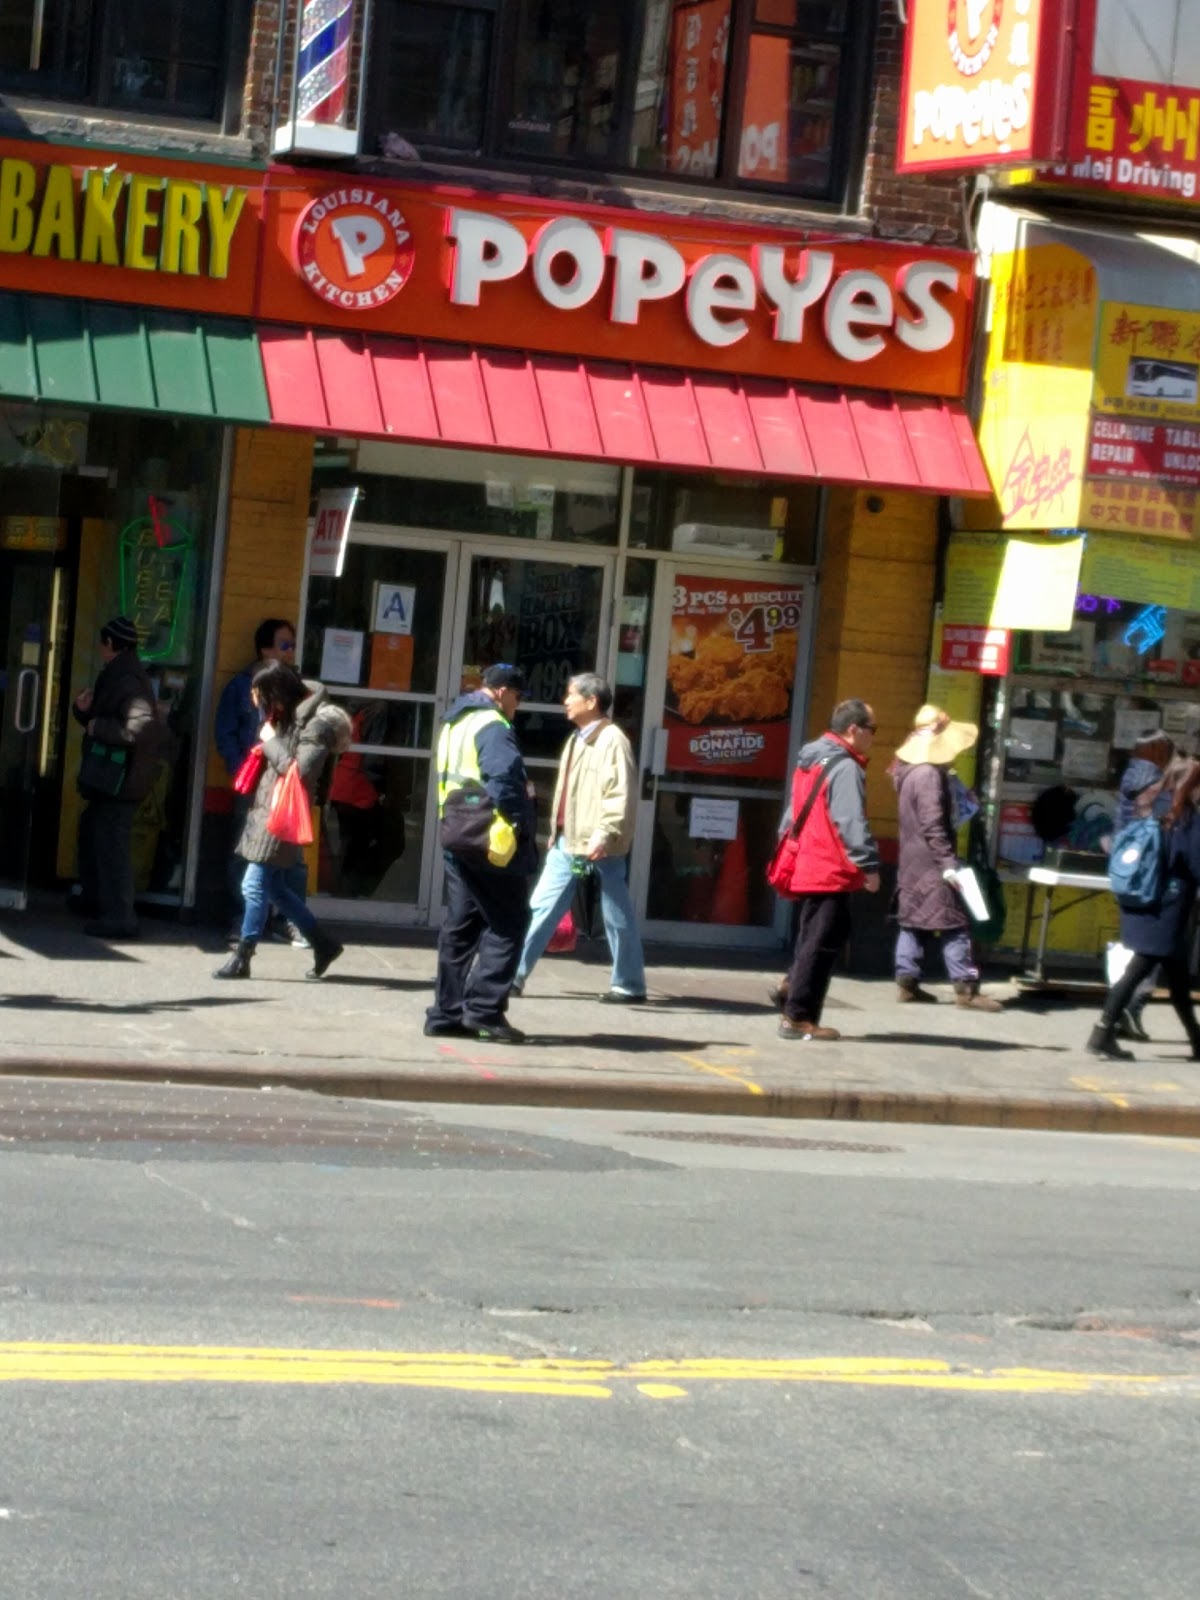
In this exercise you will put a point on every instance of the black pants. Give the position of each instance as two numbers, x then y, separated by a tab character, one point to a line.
1175	969
106	862
822	928
487	913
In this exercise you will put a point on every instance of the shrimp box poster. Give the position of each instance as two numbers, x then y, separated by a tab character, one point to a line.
730	673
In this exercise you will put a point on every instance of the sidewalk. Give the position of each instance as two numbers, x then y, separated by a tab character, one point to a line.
706	1042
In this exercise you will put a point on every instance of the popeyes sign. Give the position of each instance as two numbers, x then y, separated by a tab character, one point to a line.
622	286
988	82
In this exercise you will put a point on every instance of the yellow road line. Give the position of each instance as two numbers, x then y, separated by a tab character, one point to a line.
501	1374
721	1072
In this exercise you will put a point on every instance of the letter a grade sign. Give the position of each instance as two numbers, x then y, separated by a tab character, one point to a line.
394	603
330	530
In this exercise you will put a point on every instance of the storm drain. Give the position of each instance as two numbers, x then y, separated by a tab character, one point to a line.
768	1141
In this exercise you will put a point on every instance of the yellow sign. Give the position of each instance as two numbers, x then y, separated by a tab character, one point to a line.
1166	510
1003	582
1148	362
33	533
1145	570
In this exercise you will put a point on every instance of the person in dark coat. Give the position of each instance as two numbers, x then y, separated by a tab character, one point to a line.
1159	934
487	901
1141	794
930	906
120	714
300	725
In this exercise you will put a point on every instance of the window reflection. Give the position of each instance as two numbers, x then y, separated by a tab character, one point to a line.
566	77
434	70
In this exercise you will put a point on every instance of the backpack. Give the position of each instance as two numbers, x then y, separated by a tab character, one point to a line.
1137	864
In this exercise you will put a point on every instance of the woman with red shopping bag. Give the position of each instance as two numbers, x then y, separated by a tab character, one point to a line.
301	734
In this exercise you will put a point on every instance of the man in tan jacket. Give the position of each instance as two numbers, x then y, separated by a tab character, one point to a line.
591	830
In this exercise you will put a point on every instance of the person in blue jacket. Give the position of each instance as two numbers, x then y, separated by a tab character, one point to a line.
235	731
487	903
1159	934
1141	794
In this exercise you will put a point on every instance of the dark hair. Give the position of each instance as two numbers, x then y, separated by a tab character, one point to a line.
504	676
1181	781
264	634
593	687
850	714
280	690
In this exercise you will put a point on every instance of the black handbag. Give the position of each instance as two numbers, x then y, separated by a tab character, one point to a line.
467	817
104	768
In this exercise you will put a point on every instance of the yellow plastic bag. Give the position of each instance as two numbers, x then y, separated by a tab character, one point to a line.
502	841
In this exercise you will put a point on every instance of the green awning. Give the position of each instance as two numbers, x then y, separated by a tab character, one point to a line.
135	358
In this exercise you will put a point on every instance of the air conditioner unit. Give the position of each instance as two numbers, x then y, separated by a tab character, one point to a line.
715	539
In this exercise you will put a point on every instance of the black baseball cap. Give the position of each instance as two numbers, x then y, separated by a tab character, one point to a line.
504	676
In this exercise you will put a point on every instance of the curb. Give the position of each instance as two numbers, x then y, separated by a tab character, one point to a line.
1053	1114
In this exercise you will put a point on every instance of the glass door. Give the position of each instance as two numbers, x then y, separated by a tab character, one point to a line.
724	705
34	602
548	614
375	637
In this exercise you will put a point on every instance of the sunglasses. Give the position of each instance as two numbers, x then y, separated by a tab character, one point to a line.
287	648
868	727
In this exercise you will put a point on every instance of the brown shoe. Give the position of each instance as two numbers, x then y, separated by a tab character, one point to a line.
967	996
909	989
788	1029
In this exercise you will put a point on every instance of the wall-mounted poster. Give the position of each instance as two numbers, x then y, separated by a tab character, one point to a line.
730	673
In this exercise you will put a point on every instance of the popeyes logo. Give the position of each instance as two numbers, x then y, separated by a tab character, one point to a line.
985	81
354	248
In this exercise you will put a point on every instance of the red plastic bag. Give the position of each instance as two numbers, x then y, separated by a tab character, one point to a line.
245	779
290	817
562	940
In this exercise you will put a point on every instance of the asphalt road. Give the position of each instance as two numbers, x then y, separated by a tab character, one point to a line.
263	1344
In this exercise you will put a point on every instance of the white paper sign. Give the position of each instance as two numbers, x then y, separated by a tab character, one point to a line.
1030	739
1085	760
330	530
394	606
712	819
341	655
1130	724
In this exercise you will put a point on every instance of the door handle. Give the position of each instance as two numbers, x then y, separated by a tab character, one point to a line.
28	683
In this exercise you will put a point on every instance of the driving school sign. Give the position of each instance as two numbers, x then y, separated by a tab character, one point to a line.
986	82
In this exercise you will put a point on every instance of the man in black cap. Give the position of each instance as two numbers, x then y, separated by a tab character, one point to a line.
120	751
480	772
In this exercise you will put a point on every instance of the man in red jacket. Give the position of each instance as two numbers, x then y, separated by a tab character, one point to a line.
837	856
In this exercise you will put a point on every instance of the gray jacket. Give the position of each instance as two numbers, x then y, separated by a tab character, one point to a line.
321	730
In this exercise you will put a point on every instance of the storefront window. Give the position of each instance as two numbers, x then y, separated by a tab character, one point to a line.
566	78
757	519
434	65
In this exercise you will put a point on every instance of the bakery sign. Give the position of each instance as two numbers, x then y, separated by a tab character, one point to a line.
987	82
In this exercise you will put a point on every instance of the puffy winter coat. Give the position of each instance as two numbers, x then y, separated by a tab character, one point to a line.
926	849
836	847
320	731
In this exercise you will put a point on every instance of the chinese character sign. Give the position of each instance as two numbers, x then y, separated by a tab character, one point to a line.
699	47
730	673
1148	362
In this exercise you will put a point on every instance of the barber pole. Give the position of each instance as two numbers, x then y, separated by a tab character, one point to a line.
322	116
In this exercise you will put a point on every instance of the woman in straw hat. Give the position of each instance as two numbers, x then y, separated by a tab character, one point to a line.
930	905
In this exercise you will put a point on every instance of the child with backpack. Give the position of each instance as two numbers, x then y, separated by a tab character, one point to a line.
1155	873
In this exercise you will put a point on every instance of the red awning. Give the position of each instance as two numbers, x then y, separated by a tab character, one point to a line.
435	393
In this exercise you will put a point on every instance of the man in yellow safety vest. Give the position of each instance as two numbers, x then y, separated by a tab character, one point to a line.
487	890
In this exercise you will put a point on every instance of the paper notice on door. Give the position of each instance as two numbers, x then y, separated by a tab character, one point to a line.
1130	723
341	655
712	819
1030	739
1085	760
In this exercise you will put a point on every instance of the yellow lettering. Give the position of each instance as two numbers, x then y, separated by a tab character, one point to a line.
18	183
101	193
56	221
139	219
223	214
180	231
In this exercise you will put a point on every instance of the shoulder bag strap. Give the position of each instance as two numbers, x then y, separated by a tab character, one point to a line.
823	767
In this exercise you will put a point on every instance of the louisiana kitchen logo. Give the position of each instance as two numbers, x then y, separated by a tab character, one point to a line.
354	249
974	28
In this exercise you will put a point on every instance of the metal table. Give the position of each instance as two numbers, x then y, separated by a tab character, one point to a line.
1051	879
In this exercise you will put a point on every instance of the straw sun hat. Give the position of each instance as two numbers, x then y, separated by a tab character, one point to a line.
935	738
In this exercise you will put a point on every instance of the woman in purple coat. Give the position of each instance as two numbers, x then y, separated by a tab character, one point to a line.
1160	932
930	906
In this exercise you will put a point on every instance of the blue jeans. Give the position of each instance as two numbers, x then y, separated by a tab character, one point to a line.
264	886
551	897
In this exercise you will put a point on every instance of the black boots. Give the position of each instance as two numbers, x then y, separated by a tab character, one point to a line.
238	964
1102	1042
909	989
325	949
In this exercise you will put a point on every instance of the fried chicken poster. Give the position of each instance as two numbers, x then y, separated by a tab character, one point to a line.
730	672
